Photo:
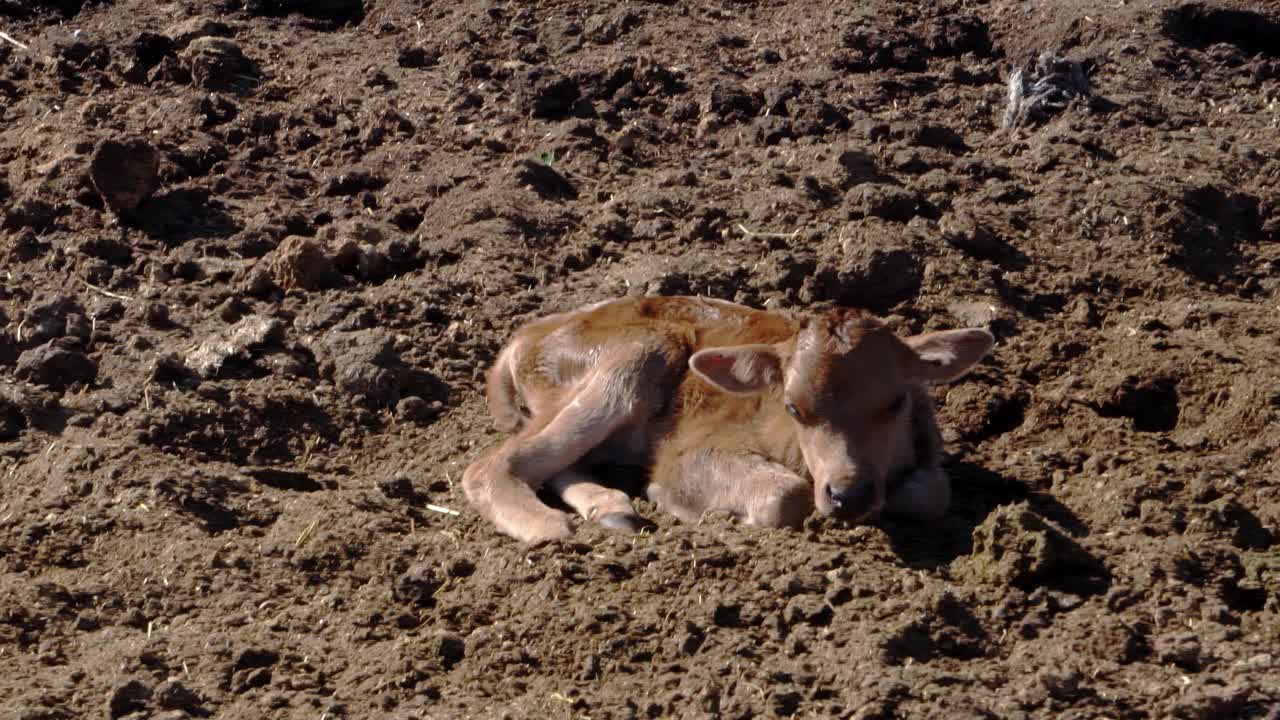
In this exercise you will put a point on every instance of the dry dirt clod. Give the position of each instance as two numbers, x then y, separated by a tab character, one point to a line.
128	697
125	172
173	695
207	357
1015	546
300	263
218	63
417	585
191	29
56	366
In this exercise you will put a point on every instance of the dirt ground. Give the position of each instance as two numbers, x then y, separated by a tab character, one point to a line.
255	256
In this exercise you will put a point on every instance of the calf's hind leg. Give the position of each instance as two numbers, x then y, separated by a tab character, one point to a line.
760	492
502	485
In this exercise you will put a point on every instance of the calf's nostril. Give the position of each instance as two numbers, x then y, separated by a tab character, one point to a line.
854	499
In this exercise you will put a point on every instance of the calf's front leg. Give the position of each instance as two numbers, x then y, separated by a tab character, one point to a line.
760	492
924	494
606	506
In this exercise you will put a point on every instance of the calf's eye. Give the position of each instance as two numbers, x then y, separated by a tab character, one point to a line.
792	411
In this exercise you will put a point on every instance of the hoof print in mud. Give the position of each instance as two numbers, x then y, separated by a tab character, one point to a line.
545	180
546	93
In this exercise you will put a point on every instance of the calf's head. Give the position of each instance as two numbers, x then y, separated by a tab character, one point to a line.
846	380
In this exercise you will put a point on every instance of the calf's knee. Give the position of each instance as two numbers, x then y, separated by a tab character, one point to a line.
925	494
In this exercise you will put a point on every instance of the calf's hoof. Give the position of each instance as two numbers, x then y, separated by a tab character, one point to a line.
623	522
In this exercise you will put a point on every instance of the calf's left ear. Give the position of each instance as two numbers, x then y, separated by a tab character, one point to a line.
941	357
740	369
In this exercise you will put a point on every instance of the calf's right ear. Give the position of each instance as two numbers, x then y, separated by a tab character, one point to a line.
945	356
739	370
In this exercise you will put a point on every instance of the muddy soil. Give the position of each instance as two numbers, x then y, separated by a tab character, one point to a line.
255	256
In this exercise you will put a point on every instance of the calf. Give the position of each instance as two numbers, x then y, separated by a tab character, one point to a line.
766	415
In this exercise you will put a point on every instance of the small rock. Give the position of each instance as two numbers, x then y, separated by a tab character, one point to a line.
771	130
691	640
936	136
800	583
112	250
1219	613
1083	313
417	585
786	703
128	697
398	487
232	309
1181	649
867	275
354	182
125	173
546	181
854	167
415	409
336	11
156	315
148	50
734	104
259	677
173	695
808	609
78	326
966	234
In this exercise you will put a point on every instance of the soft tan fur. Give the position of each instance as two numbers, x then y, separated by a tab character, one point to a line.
698	391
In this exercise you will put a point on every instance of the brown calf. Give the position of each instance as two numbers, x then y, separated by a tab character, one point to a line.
766	415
